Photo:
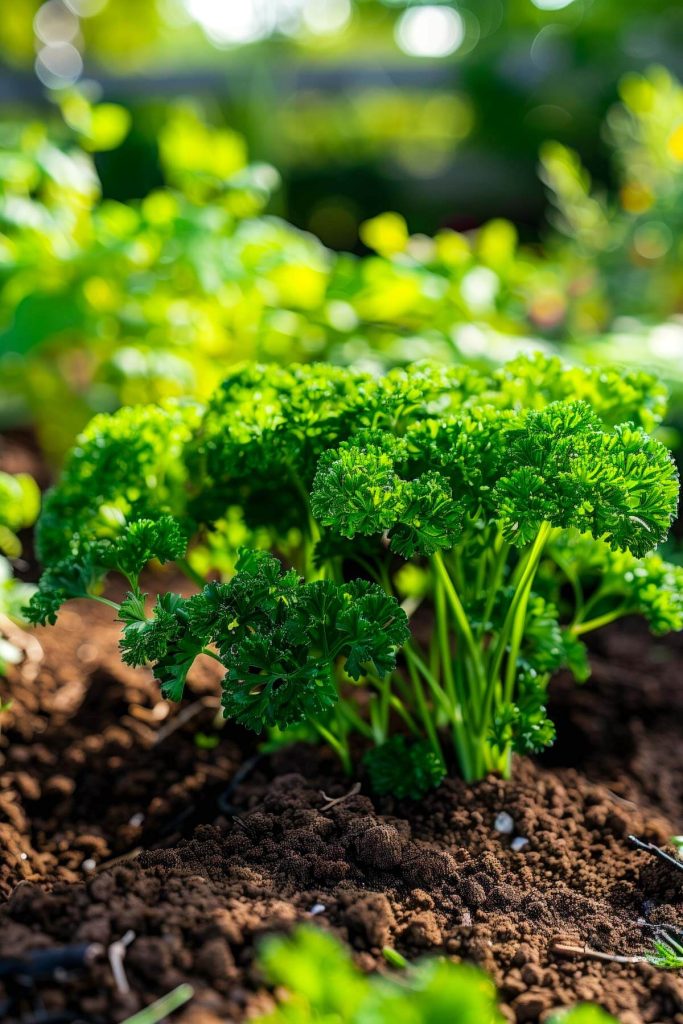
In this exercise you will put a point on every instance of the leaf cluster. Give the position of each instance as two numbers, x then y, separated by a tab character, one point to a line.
558	465
162	539
278	638
404	769
649	586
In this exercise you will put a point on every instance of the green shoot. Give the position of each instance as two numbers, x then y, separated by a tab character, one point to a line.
161	1008
667	954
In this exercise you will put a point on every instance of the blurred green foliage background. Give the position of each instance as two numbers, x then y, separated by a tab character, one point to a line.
188	183
438	110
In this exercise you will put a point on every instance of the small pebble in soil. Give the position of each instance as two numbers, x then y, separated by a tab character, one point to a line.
317	908
23	856
518	843
89	864
136	819
504	823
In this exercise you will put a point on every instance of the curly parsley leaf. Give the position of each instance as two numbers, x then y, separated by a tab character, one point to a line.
404	768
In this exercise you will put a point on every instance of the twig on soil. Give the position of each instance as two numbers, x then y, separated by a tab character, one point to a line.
333	801
564	949
622	799
657	851
117	954
121	859
156	1011
184	716
242	824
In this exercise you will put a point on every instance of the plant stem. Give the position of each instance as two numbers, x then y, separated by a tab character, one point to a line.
404	714
340	748
525	580
422	706
104	600
459	614
211	654
157	1011
600	620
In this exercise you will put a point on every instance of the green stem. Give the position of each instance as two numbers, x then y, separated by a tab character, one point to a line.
459	614
340	748
574	581
516	637
353	718
526	578
211	654
104	600
587	606
600	620
159	1010
443	644
421	703
501	553
404	714
312	530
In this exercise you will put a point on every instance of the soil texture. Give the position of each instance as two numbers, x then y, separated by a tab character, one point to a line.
94	766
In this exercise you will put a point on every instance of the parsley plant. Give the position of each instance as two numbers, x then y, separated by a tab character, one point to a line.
453	535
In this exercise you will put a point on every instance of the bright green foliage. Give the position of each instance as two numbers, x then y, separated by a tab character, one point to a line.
320	983
278	638
122	468
19	505
106	303
323	984
261	436
667	954
621	584
529	515
403	768
584	1014
614	395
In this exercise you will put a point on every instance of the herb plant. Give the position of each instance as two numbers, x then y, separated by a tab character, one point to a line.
478	524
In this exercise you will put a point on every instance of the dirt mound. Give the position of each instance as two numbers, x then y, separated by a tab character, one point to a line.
511	875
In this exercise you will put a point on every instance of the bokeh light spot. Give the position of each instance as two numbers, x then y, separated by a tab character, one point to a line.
551	5
55	23
326	18
430	31
58	65
652	240
226	22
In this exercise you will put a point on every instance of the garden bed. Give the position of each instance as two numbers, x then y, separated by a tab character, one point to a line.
93	768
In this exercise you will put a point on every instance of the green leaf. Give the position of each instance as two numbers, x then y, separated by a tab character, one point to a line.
144	640
370	629
271	683
356	490
404	769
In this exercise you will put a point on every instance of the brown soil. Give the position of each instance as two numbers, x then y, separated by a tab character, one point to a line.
90	769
